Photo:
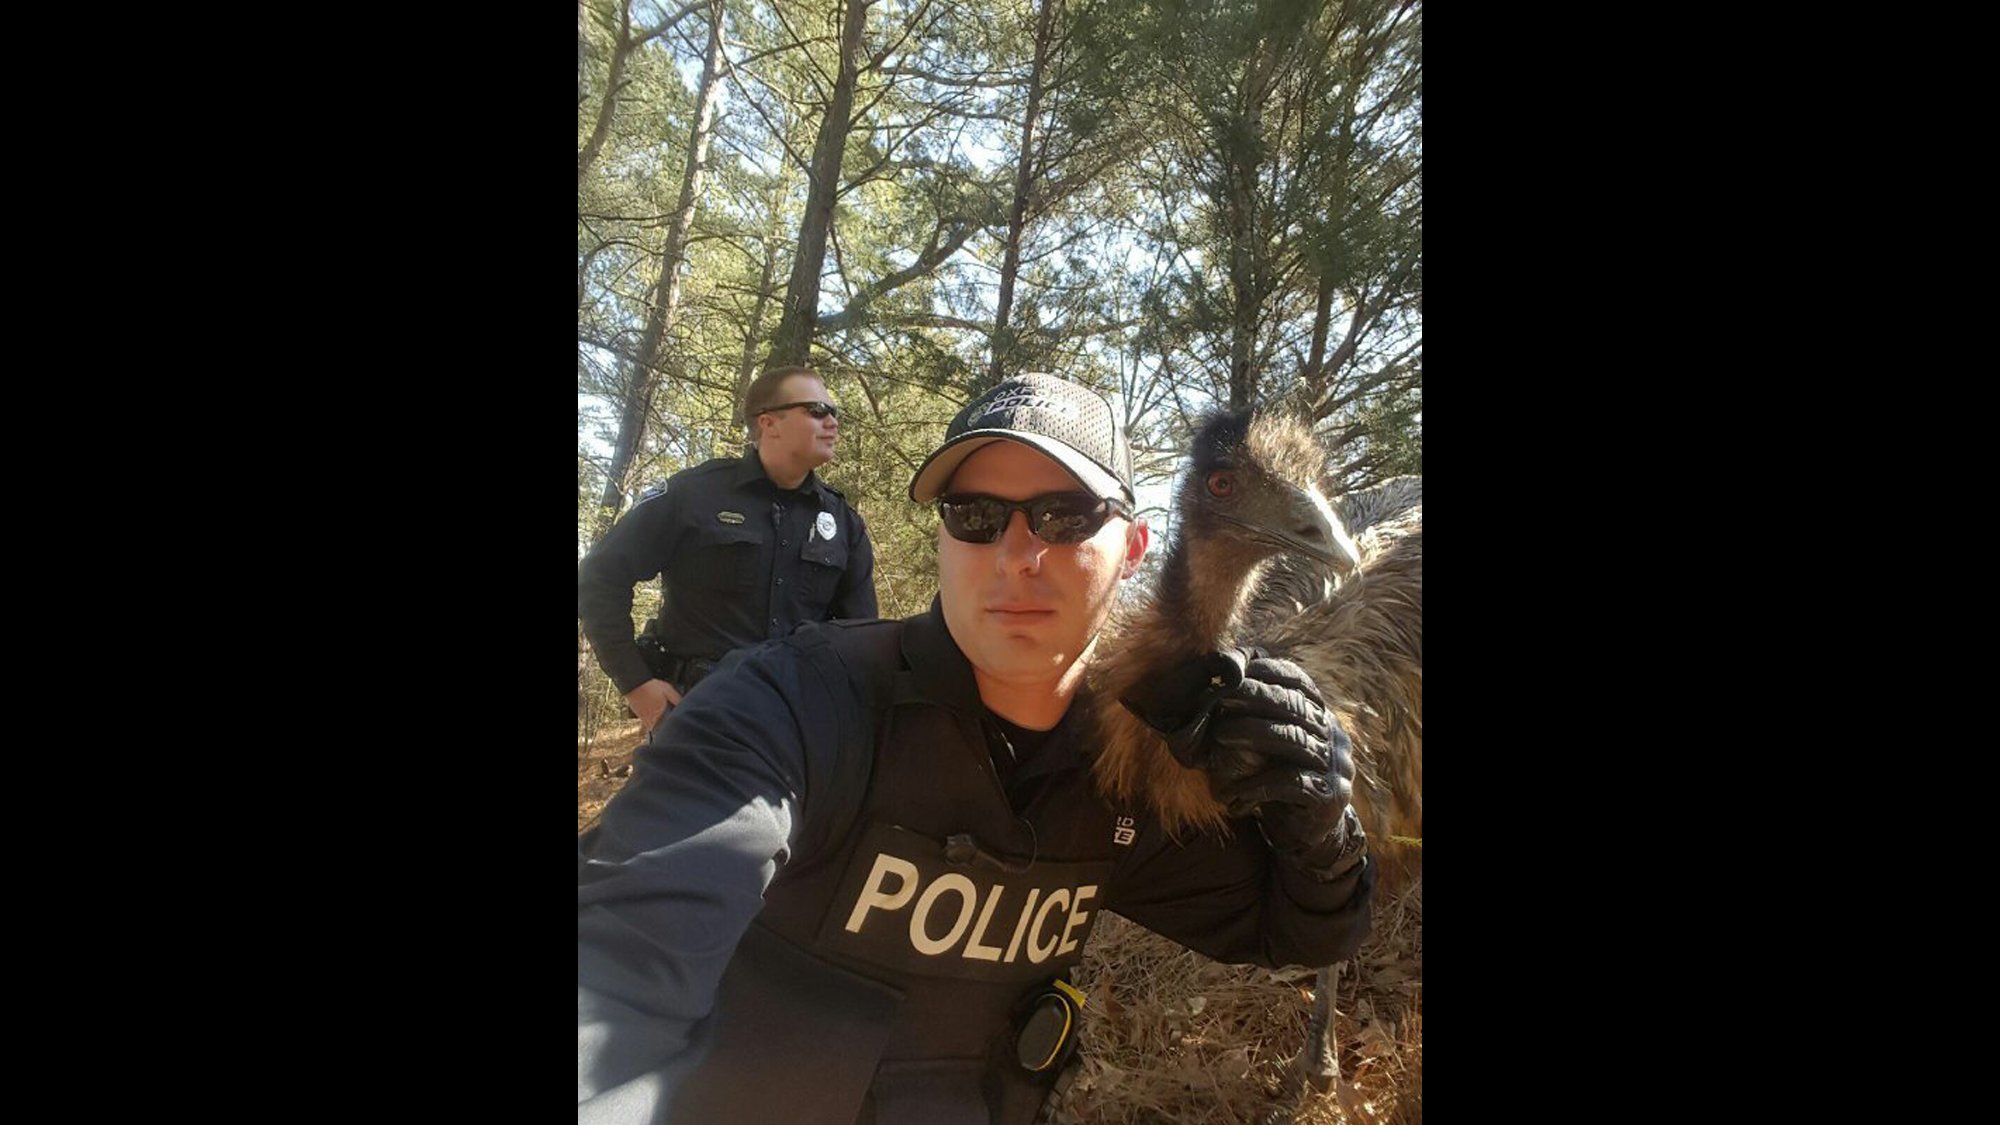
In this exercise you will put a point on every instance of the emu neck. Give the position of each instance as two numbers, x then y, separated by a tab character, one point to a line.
1203	590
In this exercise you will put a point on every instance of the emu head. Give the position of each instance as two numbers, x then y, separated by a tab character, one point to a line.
1252	492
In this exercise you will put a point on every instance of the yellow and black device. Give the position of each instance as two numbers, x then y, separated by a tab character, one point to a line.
1049	1026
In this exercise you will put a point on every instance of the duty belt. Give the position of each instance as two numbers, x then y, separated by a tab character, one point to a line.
682	671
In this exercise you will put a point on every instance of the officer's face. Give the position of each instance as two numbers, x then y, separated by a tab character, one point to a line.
795	433
1021	610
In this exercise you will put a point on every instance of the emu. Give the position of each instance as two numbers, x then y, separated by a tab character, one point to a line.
1261	558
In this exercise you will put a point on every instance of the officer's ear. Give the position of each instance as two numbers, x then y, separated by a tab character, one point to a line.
1137	535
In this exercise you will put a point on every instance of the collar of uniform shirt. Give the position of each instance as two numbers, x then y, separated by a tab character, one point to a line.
938	671
750	470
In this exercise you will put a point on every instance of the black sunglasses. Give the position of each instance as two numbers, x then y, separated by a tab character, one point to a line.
1057	518
816	409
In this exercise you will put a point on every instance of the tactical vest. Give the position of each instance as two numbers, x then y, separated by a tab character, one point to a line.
883	979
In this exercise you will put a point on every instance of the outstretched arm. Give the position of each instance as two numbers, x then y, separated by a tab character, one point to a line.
676	870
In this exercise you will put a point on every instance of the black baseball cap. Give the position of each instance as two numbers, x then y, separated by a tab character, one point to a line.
1070	423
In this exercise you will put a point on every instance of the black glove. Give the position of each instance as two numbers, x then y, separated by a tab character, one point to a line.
1181	702
1259	729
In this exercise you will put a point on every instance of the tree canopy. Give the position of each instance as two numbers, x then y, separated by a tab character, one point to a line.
1183	203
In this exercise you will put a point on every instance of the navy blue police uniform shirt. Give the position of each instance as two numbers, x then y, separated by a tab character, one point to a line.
740	561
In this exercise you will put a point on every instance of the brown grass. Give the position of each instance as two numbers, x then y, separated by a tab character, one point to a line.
1172	1037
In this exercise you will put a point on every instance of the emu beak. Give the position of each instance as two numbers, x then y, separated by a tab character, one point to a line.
1325	538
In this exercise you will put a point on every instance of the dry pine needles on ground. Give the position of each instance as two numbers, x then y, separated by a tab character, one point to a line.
1172	1037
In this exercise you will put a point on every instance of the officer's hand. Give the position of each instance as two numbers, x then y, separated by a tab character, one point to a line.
1271	738
1277	753
1180	702
1260	730
651	701
1236	714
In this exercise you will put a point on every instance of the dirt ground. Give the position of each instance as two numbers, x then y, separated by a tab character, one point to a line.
601	771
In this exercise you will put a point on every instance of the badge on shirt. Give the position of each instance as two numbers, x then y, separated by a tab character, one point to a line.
730	517
824	525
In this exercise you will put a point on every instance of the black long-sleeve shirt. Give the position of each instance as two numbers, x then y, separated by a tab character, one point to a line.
740	560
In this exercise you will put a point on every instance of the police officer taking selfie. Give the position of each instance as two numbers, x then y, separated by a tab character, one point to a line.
745	548
848	879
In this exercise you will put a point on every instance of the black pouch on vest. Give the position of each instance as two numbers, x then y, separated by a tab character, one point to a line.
1047	1026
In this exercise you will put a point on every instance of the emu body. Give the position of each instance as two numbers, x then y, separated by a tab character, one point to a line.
1260	558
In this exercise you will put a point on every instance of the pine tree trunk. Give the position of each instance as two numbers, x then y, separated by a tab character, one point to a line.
755	333
1248	269
1024	179
793	339
642	370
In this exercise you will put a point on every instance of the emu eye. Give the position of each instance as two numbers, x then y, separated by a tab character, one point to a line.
1221	483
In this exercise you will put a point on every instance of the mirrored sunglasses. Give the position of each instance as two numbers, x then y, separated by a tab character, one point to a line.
1055	518
816	409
